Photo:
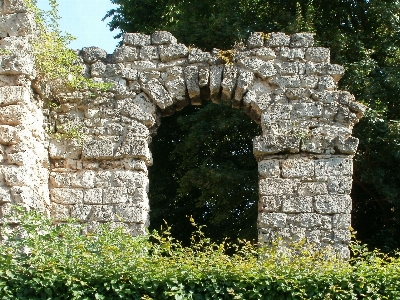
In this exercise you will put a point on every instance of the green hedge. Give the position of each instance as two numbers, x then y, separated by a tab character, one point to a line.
40	260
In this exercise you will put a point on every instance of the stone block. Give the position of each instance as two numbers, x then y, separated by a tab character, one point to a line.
157	93
125	54
305	220
297	93
278	186
18	64
332	204
26	196
313	236
14	95
144	65
20	156
174	81
64	148
312	188
271	144
285	82
215	82
83	179
318	54
138	229
98	69
102	213
98	149
192	84
19	24
7	135
162	37
346	117
81	212
277	39
269	168
341	221
149	53
272	220
17	176
66	196
244	81
14	6
327	237
60	212
2	157
93	196
326	83
141	109
126	178
336	71
131	213
292	54
302	40
229	82
134	148
270	204
287	68
60	179
264	69
92	54
255	40
129	74
198	56
5	195
114	195
172	52
342	251
339	184
264	53
204	76
292	204
16	114
334	167
297	168
341	236
276	112
346	145
135	164
136	39
103	179
326	222
14	80
309	82
307	110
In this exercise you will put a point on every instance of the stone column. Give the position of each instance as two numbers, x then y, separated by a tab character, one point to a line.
23	154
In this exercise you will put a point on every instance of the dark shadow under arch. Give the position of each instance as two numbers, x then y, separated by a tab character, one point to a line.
204	167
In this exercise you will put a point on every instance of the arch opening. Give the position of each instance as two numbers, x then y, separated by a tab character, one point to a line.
204	167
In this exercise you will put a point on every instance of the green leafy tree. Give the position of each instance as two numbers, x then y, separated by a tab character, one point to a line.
363	35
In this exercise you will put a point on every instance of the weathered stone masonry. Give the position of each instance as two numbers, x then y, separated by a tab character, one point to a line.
283	82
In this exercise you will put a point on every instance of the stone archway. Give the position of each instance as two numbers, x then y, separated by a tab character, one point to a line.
283	82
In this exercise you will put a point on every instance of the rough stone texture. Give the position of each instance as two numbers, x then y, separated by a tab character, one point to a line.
283	82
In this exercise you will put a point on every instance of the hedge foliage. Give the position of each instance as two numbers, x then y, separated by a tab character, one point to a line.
40	260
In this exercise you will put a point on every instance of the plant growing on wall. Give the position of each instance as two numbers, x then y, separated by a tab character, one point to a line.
53	59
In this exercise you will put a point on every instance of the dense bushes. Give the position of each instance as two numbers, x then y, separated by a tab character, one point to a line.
41	261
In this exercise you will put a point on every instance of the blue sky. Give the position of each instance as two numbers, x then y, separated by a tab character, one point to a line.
82	19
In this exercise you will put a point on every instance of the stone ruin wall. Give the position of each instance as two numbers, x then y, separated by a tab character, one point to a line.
283	82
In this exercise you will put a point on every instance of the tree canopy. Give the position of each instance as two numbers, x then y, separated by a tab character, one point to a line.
363	35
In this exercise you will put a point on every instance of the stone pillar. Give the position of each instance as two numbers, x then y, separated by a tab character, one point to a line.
306	197
23	153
